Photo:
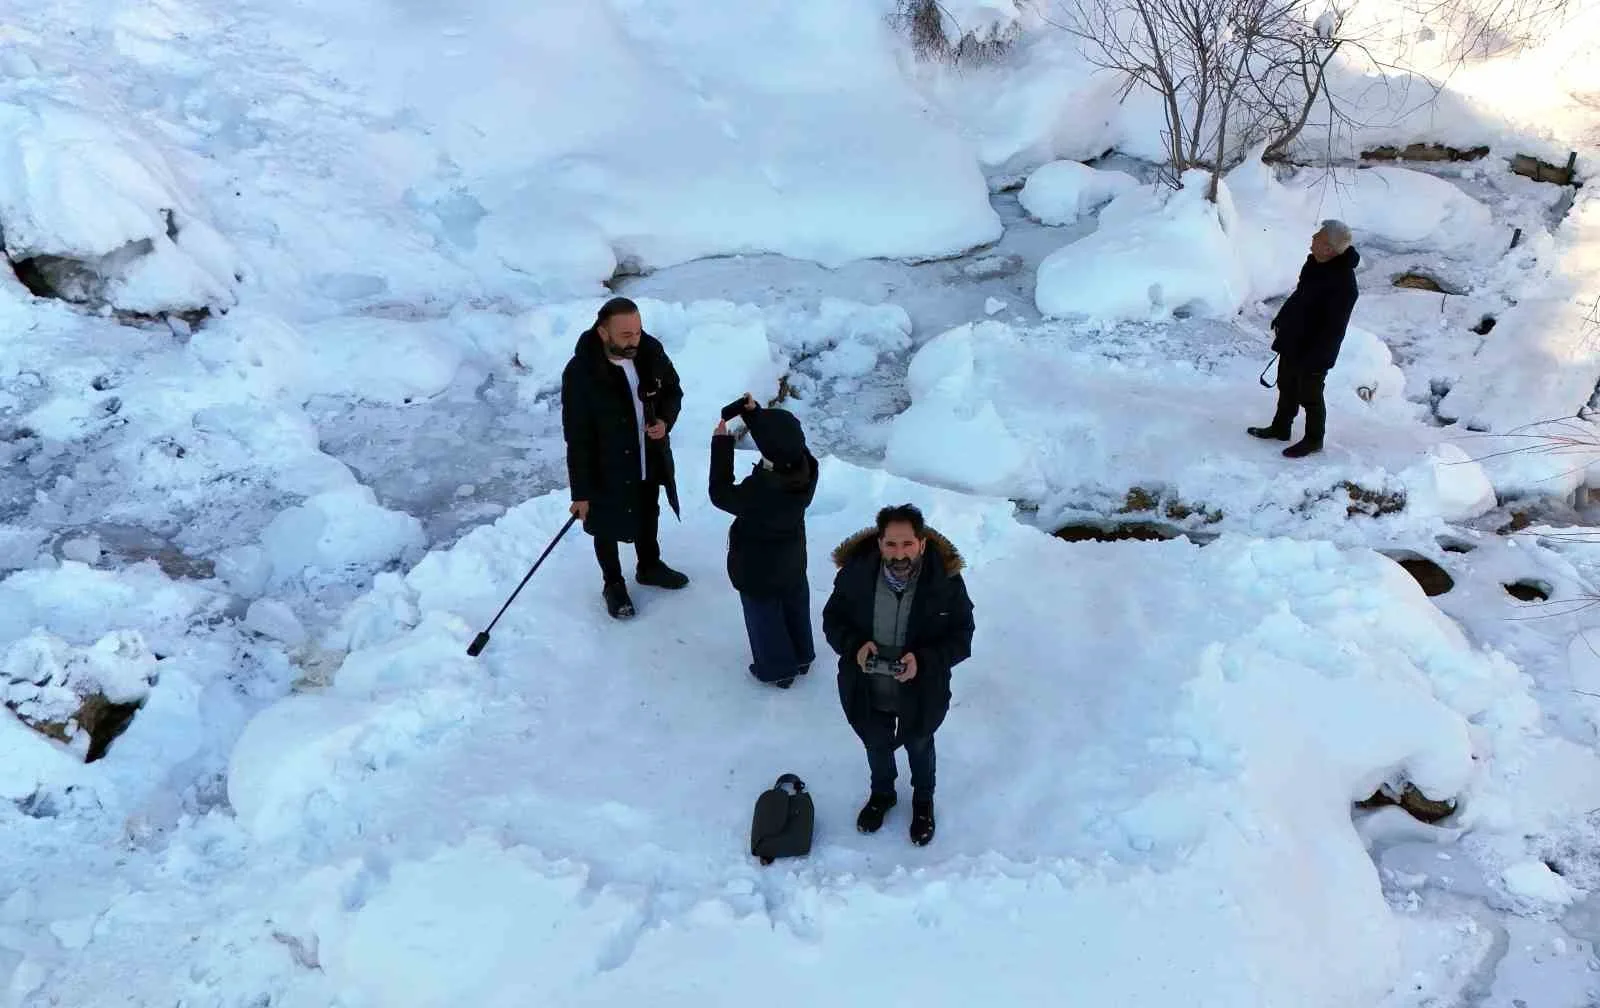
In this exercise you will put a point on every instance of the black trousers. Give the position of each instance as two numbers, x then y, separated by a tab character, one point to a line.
779	627
1300	388
647	546
879	738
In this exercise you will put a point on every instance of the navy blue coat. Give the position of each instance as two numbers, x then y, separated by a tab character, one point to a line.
1311	323
939	630
767	541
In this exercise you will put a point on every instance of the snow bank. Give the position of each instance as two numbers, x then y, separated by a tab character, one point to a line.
1157	252
763	128
1539	362
339	533
1405	209
981	19
1276	222
289	769
380	360
1134	799
1394	207
945	423
1366	370
1011	412
1062	191
722	348
80	188
82	604
1042	102
73	632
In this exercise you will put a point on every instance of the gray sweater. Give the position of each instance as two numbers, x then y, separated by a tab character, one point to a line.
891	616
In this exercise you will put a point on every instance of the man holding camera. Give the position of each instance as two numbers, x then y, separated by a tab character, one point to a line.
620	396
900	619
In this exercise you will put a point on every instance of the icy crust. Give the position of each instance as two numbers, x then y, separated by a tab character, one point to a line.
78	187
1188	789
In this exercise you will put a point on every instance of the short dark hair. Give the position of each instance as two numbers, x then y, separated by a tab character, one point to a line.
908	513
616	306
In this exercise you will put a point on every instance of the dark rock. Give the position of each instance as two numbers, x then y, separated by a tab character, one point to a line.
1425	152
1372	503
1416	804
1435	580
103	720
1544	171
1419	280
1116	532
1529	590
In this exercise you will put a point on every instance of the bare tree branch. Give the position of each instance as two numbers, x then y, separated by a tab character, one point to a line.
1234	75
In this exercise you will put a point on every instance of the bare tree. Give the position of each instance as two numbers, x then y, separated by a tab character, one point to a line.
1231	74
936	34
1234	75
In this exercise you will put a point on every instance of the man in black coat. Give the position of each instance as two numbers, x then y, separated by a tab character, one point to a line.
1308	331
767	541
900	619
619	399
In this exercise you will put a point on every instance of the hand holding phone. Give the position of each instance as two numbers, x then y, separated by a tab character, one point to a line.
743	404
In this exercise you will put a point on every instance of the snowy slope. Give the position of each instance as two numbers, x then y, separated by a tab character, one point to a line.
1143	801
280	528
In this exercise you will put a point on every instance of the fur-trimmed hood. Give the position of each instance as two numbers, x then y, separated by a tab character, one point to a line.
867	540
590	349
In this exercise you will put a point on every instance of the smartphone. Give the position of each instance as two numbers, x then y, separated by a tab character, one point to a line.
733	409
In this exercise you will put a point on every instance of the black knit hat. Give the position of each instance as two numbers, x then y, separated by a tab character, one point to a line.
778	437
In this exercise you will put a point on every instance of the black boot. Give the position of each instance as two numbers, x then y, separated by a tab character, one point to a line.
921	821
1268	433
618	604
878	805
659	575
1300	449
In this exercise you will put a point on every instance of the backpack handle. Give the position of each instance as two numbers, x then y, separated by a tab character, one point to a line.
789	778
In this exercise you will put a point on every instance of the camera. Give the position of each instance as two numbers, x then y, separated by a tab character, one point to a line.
888	661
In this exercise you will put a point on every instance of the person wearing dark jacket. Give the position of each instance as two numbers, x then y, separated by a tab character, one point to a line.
620	396
767	540
1308	331
900	619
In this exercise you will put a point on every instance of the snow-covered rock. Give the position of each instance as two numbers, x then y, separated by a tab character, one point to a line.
1062	191
1005	411
96	211
339	531
1158	251
1402	208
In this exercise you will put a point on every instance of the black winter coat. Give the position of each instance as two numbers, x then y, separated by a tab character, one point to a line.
767	541
1311	323
939	630
602	433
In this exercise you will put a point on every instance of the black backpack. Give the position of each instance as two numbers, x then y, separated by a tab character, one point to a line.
783	821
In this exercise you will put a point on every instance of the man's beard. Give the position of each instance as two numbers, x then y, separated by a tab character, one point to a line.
621	352
902	566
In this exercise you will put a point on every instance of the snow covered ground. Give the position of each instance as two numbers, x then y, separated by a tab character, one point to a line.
301	438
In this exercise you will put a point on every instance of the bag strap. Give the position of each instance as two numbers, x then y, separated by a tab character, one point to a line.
1263	378
789	778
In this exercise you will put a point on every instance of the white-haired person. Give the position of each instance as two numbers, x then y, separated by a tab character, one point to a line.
1307	333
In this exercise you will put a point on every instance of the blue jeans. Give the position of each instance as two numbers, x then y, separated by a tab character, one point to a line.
880	742
779	627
